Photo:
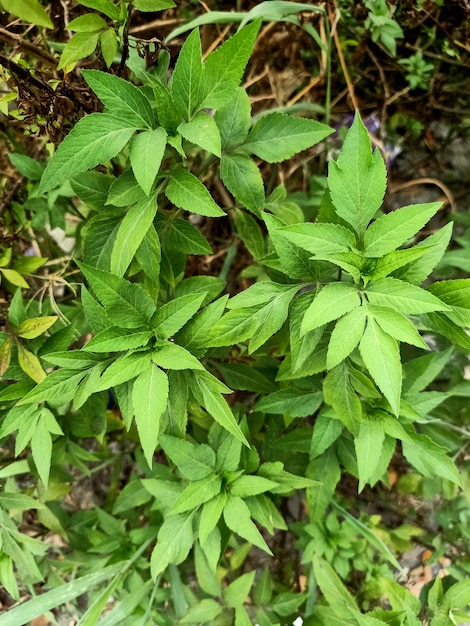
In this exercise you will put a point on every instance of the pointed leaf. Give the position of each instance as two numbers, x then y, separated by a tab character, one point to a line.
243	179
277	136
234	119
345	336
35	326
174	314
382	358
175	539
390	231
149	399
187	192
320	238
146	152
30	364
95	139
397	326
187	75
203	132
332	302
402	297
115	339
368	445
238	519
195	462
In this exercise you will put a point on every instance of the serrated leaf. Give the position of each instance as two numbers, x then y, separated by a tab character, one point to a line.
196	493
250	233
195	462
332	302
185	237
339	394
149	399
238	519
223	68
171	356
187	76
127	304
125	190
456	294
126	367
435	246
390	231
5	355
236	593
441	324
146	151
207	392
109	46
117	340
121	97
241	176
245	378
331	586
153	5
35	326
175	539
87	23
320	238
397	326
195	335
325	432
132	230
28	167
29	10
402	297
174	314
345	336
57	388
80	46
234	119
368	444
277	136
95	139
92	187
429	458
103	6
357	180
382	358
30	364
187	192
202	131
302	346
394	261
293	402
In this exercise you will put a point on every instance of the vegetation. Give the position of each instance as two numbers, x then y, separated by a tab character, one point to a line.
234	384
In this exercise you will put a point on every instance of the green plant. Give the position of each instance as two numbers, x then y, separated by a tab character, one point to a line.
419	70
334	354
382	26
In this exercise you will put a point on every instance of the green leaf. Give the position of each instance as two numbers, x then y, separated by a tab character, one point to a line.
187	192
435	246
339	393
402	297
94	312
195	462
149	256
397	326
131	233
243	179
195	334
441	324
206	389
153	5
429	458
202	613
203	132
332	588
30	364
368	444
57	388
419	372
345	336
185	237
174	314
80	46
320	238
250	233
5	355
127	304
95	139
125	190
357	180
456	294
126	367
35	326
325	432
246	486
237	592
293	402
93	188
223	68
122	98
196	493
390	231
109	46
238	519
114	339
146	153
245	378
457	596
234	119
149	399
187	76
28	167
210	516
175	539
13	277
174	357
41	449
277	136
394	261
302	346
87	23
287	482
40	604
30	11
295	262
382	358
103	6
332	302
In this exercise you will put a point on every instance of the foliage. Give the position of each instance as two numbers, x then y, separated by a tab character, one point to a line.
212	403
